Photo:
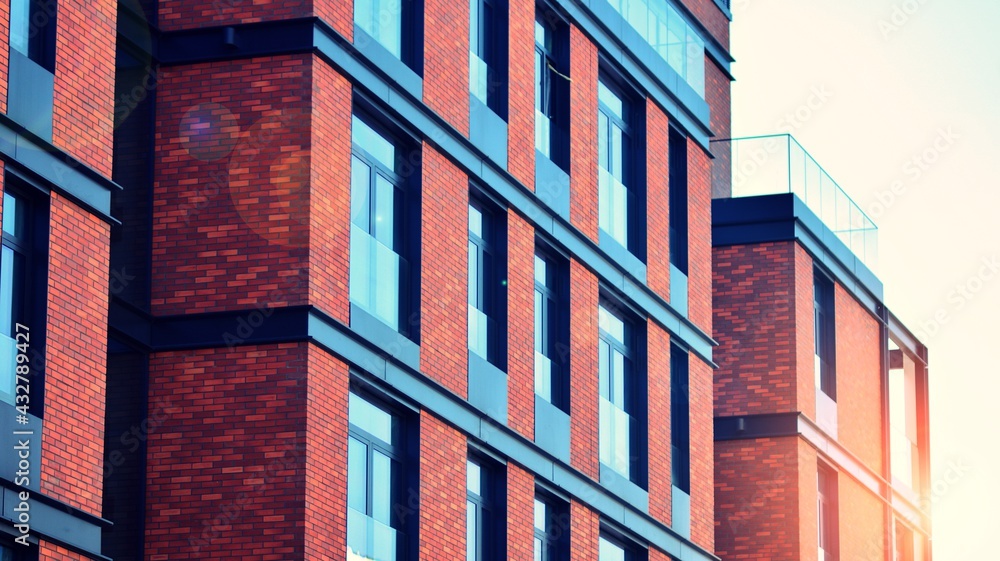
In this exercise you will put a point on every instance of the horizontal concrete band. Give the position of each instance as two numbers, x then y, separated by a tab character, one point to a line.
398	374
796	424
55	521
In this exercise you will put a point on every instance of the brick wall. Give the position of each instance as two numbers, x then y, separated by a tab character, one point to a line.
182	14
520	325
859	373
444	278
657	200
446	61
755	327
338	13
863	535
50	552
443	455
583	132
658	379
718	90
521	100
583	370
330	192
226	472
757	504
83	100
520	513
702	454
709	14
808	518
805	334
4	53
242	126
584	532
699	236
75	354
326	456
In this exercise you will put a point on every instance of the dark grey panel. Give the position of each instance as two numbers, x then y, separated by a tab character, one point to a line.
55	522
401	74
552	185
29	95
619	485
12	434
552	429
385	337
623	257
487	131
487	388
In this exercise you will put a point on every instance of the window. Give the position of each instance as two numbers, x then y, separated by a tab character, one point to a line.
620	426
904	423
487	47
551	529
551	331
485	536
904	550
22	287
612	549
487	295
374	480
617	169
828	517
391	24
551	90
678	200
826	379
33	30
680	419
379	271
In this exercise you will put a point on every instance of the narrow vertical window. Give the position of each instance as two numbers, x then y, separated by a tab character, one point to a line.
487	33
485	530
550	331
486	284
378	269
612	549
543	88
678	200
828	523
620	430
616	170
32	30
680	419
374	464
551	529
826	380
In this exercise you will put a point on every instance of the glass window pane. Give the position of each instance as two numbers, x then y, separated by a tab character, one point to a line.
385	204
603	150
20	26
610	551
618	379
610	100
476	221
473	477
611	324
604	366
475	44
617	155
361	194
540	515
382	484
475	284
372	419
541	271
357	475
372	142
471	532
7	296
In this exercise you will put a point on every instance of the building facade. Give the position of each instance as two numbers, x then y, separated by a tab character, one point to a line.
821	395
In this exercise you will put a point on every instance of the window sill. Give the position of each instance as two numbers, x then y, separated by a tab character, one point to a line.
625	258
552	185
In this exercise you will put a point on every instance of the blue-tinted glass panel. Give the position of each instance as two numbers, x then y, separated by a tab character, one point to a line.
371	419
373	143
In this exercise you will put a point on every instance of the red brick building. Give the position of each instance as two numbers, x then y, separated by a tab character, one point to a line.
821	395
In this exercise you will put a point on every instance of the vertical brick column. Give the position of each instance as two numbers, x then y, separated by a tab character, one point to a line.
229	463
521	98
805	335
807	480
330	192
702	454
520	513
83	96
4	53
658	379
657	200
584	532
699	237
72	453
583	132
520	325
443	455
326	457
584	393
444	280
446	61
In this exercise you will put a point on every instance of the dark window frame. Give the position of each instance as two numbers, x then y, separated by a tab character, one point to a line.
633	552
678	199
554	538
490	46
489	504
404	453
634	382
551	79
405	178
411	31
632	125
680	418
825	337
491	273
33	289
41	38
554	295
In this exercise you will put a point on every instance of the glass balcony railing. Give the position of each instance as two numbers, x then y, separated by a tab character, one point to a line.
615	201
369	539
670	35
377	273
768	165
615	437
479	77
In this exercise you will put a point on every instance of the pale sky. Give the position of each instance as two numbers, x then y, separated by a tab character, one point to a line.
904	96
